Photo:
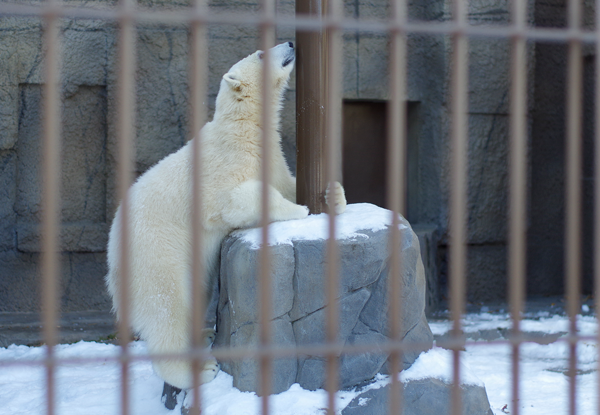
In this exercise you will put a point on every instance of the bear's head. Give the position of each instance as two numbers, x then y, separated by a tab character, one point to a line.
240	93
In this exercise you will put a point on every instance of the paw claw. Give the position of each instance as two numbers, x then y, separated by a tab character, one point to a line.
209	336
340	198
210	370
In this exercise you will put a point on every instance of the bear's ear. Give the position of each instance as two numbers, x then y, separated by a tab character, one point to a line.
232	80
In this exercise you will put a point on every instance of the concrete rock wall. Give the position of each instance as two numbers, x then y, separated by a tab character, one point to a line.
86	173
89	131
89	155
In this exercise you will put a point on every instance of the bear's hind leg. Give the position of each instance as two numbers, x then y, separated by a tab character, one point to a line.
169	396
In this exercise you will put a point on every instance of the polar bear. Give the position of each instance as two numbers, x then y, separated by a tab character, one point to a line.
160	210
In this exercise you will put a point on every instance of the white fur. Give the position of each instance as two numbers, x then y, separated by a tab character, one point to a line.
160	210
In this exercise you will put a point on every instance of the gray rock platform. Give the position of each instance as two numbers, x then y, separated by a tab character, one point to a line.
421	397
299	303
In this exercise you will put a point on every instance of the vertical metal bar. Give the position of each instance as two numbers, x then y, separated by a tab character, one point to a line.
573	191
267	40
125	132
50	179
458	196
197	76
396	179
333	110
311	81
518	189
597	189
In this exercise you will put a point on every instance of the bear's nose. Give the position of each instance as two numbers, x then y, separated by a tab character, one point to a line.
291	45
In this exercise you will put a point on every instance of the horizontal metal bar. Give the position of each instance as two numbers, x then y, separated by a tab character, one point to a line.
277	352
307	23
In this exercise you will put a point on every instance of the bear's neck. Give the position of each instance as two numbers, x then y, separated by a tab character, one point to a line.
245	119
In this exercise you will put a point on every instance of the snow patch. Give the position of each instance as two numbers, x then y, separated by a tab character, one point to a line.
357	217
437	363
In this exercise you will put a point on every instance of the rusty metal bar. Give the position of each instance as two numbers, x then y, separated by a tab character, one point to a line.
458	197
276	352
596	255
333	23
333	152
596	260
311	87
396	179
125	136
267	37
306	23
518	189
573	192
50	178
198	79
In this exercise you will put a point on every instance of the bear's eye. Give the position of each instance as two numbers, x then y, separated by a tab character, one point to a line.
261	54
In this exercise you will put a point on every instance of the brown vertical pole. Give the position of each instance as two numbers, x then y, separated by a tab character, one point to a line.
458	197
125	136
197	77
311	87
597	191
518	190
396	179
267	39
573	192
332	145
51	145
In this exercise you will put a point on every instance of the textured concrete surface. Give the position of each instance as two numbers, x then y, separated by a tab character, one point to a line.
428	242
26	328
299	306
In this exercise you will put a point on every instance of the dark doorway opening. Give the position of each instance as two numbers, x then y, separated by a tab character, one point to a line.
364	153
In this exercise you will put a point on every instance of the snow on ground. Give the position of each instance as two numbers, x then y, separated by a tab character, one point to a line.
94	388
544	384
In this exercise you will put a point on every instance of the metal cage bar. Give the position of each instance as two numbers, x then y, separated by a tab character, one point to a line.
125	134
198	17
276	352
518	190
198	79
333	150
573	192
596	213
307	23
51	147
267	36
397	193
458	197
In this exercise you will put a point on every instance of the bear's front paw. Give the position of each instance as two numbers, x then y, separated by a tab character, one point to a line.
302	212
291	212
209	336
210	370
337	196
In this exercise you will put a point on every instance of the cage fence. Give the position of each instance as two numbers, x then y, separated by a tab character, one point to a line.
331	23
